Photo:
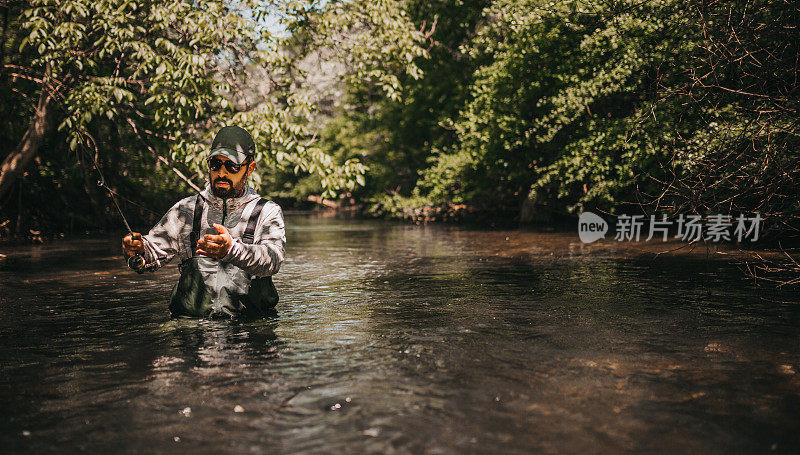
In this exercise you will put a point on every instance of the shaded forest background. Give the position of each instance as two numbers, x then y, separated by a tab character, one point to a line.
500	111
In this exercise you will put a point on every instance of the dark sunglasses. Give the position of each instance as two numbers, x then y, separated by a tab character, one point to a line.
216	164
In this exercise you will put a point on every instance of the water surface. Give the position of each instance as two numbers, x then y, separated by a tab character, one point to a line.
392	338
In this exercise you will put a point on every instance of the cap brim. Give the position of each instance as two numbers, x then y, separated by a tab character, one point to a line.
236	157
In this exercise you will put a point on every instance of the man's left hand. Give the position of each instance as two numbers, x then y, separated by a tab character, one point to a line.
215	246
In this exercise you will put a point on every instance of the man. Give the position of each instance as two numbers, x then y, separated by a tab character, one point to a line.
230	240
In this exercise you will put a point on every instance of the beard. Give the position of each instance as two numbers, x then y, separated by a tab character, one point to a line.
224	192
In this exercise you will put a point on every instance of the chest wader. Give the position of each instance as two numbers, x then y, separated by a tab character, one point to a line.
230	291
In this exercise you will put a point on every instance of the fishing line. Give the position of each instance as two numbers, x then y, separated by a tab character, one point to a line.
136	262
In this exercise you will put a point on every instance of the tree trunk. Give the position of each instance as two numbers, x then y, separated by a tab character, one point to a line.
16	161
3	40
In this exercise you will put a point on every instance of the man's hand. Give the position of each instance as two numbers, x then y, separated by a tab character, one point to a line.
215	246
133	244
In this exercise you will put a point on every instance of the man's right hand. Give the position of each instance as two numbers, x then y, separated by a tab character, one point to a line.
133	244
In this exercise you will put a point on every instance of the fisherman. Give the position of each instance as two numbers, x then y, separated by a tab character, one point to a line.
229	239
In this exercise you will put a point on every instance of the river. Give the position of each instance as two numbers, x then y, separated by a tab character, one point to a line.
396	338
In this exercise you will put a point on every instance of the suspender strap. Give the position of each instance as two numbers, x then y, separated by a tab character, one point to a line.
249	232
198	214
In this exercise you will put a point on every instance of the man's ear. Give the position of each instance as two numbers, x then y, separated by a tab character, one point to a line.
251	166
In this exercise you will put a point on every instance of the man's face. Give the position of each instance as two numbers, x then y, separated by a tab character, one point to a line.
227	184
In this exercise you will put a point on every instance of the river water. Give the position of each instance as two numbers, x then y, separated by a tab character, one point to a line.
394	338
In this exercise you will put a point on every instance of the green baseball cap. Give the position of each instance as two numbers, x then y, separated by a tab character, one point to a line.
234	143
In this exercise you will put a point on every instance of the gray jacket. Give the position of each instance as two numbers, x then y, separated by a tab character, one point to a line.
170	237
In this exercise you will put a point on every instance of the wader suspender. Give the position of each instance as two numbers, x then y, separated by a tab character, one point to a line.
262	296
191	297
198	214
250	231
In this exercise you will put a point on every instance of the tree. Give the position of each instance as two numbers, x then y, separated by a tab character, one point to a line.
558	100
395	136
743	85
169	73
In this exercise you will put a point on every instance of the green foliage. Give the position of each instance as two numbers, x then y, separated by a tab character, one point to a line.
170	69
559	110
468	106
566	106
394	137
160	78
573	105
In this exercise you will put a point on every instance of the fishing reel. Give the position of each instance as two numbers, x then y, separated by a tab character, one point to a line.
138	264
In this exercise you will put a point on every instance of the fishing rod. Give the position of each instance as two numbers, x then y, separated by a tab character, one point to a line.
136	262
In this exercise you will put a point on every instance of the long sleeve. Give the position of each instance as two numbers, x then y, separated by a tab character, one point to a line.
164	240
265	255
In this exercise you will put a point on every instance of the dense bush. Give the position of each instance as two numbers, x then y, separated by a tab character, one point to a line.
446	109
141	87
551	108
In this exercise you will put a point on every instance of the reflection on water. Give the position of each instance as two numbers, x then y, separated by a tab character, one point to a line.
396	338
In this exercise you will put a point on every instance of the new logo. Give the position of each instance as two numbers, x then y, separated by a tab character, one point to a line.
591	227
